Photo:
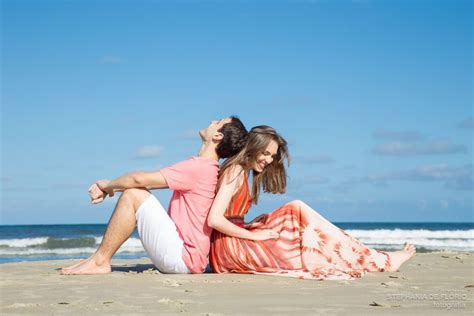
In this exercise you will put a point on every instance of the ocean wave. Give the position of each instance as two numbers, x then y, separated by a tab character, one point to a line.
48	245
410	233
450	243
69	251
462	240
23	242
375	238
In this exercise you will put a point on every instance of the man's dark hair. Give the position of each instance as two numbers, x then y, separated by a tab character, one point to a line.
235	135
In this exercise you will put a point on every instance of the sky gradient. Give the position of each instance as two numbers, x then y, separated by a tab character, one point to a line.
374	98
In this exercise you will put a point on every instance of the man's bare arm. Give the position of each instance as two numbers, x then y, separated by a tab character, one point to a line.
148	180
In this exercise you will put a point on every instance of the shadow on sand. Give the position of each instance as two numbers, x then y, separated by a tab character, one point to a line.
139	268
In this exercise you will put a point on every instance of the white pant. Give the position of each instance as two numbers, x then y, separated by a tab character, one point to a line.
160	237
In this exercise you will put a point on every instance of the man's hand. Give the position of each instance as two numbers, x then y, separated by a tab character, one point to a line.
96	194
103	186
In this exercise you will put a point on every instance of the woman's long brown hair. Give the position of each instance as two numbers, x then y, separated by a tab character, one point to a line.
273	176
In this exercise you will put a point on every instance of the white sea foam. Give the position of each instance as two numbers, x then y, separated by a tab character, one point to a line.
410	233
23	242
457	243
59	251
32	246
375	238
33	251
430	239
131	245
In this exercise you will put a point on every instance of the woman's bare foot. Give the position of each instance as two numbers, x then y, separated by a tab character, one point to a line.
397	258
89	266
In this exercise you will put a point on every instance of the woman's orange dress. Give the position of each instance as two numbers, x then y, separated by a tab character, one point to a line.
309	247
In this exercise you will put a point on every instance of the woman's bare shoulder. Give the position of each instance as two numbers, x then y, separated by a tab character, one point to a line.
234	174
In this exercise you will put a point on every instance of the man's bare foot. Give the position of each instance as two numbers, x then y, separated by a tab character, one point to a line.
397	258
89	266
73	265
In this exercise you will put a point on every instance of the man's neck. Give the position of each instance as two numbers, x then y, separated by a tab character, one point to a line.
208	150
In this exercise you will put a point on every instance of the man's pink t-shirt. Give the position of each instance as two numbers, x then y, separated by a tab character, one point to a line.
194	183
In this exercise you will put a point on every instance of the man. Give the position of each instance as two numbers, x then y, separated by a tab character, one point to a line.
177	241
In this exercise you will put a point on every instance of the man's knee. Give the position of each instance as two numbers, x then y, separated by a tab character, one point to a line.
136	195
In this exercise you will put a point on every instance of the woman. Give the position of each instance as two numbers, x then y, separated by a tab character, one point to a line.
294	240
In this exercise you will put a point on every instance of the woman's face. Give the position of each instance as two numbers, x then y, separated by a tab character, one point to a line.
266	157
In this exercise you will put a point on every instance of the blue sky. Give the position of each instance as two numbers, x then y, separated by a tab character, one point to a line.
374	97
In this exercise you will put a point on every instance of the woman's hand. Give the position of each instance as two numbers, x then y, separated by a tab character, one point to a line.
265	234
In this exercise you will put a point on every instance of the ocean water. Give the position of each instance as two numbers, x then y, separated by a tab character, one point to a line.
52	242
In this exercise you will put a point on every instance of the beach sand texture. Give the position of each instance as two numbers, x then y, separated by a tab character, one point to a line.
429	284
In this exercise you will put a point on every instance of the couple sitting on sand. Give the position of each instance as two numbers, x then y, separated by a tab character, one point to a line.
206	216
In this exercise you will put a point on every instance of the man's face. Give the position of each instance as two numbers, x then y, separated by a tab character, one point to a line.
212	130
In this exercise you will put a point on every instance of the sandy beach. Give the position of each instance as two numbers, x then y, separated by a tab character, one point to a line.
430	283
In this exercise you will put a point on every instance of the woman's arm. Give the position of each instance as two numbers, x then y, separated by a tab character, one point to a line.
216	218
